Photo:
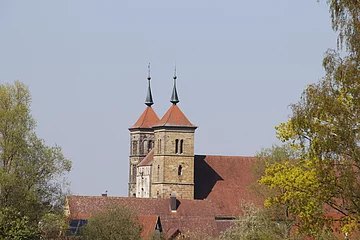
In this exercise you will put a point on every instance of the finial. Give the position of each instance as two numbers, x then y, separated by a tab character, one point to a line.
174	97
149	77
149	99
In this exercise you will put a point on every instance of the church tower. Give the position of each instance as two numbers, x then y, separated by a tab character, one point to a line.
173	161
141	138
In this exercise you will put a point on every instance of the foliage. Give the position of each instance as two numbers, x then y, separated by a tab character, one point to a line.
117	223
14	226
323	185
256	224
346	22
53	226
31	183
196	235
325	126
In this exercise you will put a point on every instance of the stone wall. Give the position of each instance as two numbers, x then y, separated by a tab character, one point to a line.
141	142
182	191
173	166
165	142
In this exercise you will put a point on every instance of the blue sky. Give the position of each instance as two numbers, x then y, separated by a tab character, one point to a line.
239	63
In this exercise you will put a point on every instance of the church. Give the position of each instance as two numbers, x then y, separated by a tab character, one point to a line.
173	190
162	152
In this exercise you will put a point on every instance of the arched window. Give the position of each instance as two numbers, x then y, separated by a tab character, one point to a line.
179	170
176	146
181	146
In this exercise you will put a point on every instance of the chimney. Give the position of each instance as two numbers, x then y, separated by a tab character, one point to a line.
173	202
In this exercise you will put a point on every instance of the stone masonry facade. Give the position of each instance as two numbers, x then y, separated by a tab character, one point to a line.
172	166
141	142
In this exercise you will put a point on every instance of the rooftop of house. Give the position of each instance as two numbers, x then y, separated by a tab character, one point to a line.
225	180
220	184
149	224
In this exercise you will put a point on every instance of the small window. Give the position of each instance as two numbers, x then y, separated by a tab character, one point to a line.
144	148
150	145
133	176
159	146
176	146
181	146
179	170
158	173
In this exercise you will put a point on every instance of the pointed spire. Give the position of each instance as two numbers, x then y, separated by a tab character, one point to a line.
149	100
174	97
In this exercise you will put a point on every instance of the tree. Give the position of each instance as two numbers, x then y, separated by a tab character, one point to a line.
115	223
256	224
31	173
345	21
325	129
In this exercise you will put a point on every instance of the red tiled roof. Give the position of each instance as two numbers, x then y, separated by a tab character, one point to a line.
220	181
147	161
149	224
172	233
224	180
191	215
147	119
174	117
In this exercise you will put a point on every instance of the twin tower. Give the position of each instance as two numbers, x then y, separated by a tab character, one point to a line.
162	152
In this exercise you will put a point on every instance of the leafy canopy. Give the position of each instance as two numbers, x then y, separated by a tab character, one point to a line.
116	223
322	188
31	173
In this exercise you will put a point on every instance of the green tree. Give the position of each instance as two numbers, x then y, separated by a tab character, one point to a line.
31	173
14	226
116	223
345	21
325	129
256	224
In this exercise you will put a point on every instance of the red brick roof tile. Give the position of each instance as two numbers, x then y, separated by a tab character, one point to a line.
174	117
147	161
191	215
148	223
224	181
147	119
220	181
